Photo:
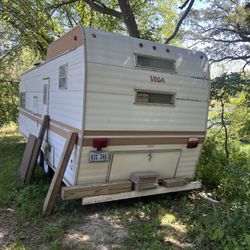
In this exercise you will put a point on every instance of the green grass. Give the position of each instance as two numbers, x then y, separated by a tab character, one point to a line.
11	149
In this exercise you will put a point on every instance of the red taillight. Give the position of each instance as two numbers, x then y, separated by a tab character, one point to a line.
100	143
192	143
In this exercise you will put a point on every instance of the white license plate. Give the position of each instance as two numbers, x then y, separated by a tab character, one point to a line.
98	156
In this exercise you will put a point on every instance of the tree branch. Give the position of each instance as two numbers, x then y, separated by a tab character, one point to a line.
129	18
100	7
191	2
225	128
231	58
184	5
94	4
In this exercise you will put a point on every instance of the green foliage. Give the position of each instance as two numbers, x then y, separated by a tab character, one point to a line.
235	182
228	85
143	224
8	102
227	225
211	163
11	148
51	232
230	177
221	227
32	194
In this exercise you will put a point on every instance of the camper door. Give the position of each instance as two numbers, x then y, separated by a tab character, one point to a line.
46	96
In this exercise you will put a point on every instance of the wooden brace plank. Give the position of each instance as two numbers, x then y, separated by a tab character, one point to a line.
37	148
55	185
89	190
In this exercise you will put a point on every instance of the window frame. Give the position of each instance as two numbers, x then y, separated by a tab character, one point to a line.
65	77
35	105
137	65
45	94
22	99
173	94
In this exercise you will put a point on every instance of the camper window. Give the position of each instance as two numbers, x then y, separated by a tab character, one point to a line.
22	99
154	98
35	105
63	72
161	64
45	94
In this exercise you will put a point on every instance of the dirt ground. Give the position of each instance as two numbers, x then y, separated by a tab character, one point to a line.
94	231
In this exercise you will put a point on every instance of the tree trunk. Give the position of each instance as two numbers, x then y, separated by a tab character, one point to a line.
225	128
128	18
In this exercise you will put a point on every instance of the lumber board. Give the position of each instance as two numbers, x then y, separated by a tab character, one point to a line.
55	185
176	182
27	157
144	174
37	148
33	161
97	189
44	126
128	195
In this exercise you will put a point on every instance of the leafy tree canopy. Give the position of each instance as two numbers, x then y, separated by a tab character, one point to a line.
222	29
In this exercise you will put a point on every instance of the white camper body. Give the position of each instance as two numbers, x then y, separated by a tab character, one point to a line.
148	102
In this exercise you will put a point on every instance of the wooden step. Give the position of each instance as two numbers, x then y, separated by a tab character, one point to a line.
97	189
144	180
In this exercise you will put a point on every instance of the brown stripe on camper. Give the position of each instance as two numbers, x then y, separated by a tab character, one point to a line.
59	131
142	141
69	41
105	133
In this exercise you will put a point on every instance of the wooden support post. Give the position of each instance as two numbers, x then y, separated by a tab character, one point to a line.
55	185
37	148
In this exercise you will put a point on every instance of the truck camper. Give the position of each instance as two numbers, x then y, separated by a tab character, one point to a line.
137	106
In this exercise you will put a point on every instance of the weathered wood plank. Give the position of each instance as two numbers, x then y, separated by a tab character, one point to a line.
98	189
37	148
44	126
174	182
144	180
27	157
55	185
134	194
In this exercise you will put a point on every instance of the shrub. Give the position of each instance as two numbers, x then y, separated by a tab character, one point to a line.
211	164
